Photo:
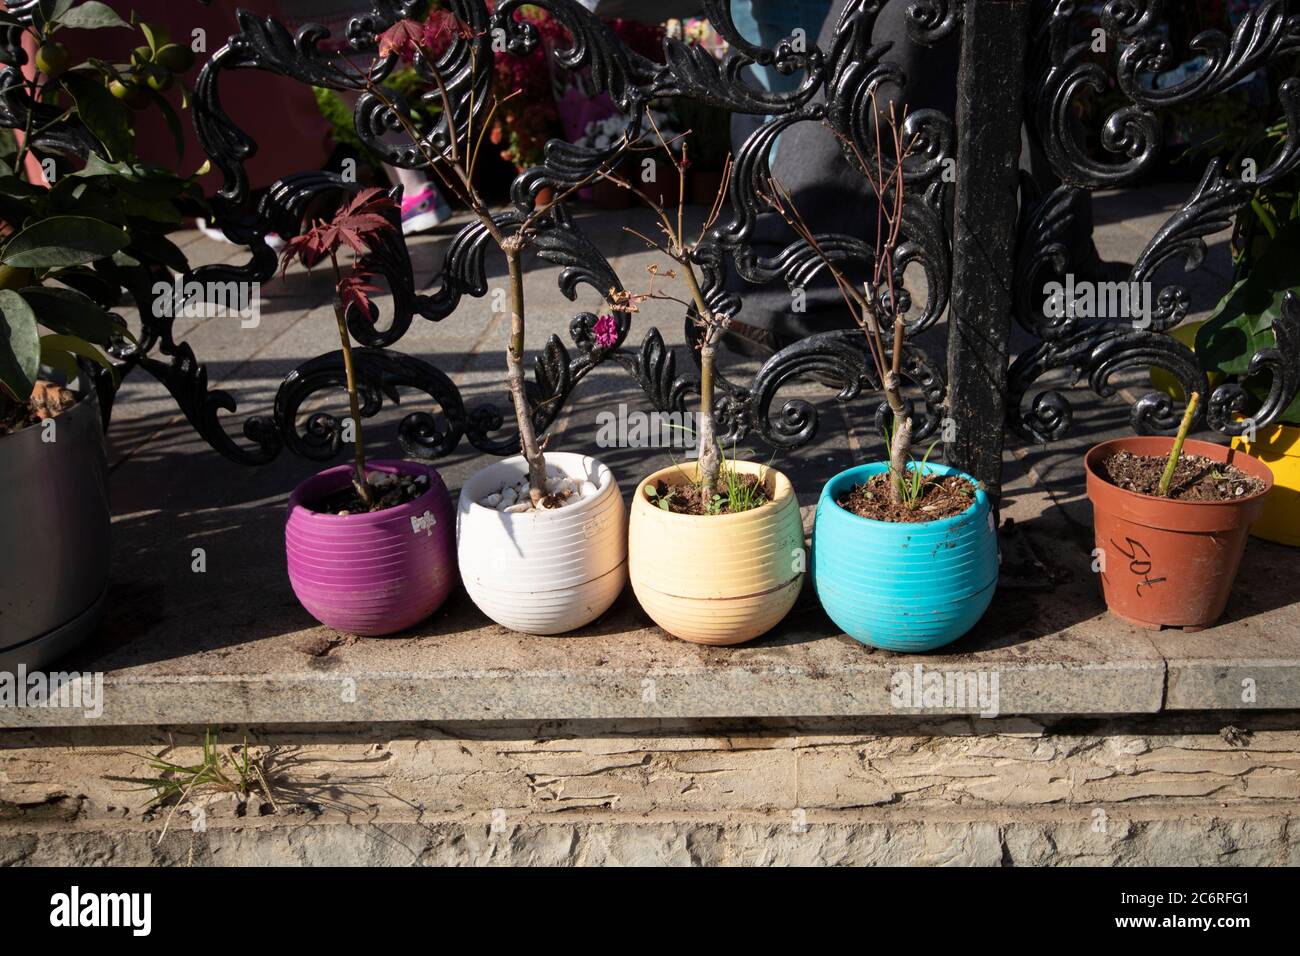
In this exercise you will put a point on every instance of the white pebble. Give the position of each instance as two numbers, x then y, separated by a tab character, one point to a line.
588	489
519	508
492	500
508	496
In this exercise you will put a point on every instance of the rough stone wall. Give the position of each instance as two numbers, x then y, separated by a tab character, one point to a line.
1199	789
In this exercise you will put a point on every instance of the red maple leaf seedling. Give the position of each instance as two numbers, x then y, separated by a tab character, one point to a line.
355	226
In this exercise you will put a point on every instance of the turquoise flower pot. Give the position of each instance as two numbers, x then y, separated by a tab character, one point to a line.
903	587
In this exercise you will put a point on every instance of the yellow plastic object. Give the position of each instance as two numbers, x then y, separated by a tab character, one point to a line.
1279	448
1162	381
717	579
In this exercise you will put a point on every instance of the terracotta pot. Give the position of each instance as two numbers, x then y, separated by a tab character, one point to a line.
608	196
667	187
1279	448
717	579
543	572
375	573
704	187
1169	563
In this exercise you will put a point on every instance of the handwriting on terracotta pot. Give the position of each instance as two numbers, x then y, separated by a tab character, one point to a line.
1139	563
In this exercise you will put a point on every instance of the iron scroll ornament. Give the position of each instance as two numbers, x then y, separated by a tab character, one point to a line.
1096	351
834	88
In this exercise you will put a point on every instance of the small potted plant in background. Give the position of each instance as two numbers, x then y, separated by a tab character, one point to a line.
1170	517
74	231
541	536
607	193
715	549
710	140
370	546
904	553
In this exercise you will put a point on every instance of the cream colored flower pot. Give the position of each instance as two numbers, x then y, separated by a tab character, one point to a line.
717	579
543	572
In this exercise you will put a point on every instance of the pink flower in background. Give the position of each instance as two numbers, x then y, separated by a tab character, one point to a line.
606	331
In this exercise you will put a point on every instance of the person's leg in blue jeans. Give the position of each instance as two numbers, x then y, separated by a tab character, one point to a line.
766	23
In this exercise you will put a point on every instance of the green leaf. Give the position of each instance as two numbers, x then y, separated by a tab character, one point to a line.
102	113
68	345
12	186
160	249
59	359
154	35
20	346
63	241
92	15
97	165
52	10
70	313
1242	322
173	121
92	285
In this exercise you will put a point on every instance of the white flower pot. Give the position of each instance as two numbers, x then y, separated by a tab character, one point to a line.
543	572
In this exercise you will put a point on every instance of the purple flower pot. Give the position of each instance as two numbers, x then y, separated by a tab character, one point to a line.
374	573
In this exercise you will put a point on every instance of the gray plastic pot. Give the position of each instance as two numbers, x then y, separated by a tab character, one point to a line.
54	536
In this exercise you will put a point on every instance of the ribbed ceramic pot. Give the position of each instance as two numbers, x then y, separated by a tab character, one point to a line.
543	572
717	579
375	573
1169	563
905	587
54	536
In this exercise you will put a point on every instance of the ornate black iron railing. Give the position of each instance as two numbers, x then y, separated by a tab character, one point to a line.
983	239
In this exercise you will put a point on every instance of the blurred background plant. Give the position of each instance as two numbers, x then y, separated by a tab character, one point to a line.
74	233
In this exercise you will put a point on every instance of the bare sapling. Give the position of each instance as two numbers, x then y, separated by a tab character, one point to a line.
682	248
1189	416
874	307
455	166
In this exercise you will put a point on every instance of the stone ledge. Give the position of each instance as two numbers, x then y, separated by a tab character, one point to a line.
249	653
456	668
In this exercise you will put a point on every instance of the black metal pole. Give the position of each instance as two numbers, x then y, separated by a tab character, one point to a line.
990	111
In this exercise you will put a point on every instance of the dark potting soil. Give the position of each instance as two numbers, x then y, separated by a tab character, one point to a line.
47	400
939	498
388	491
1196	478
689	499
